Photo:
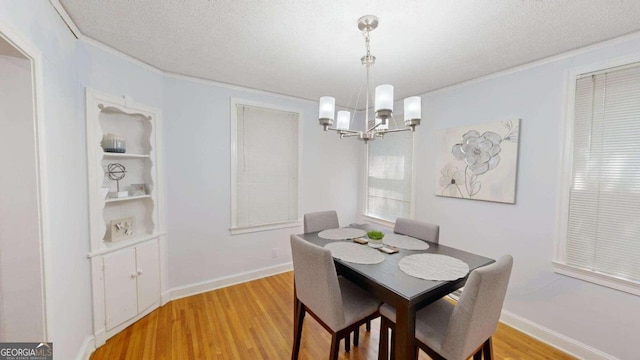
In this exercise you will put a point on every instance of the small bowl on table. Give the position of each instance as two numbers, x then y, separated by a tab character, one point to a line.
375	238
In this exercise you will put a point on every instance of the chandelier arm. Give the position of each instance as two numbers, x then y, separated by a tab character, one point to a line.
357	133
374	127
394	130
345	130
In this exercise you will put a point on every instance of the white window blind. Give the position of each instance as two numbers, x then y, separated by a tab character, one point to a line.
603	230
390	174
266	158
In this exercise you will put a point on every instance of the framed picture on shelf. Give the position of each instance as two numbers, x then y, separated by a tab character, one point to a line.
120	229
137	190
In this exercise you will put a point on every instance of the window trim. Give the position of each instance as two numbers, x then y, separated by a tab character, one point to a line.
233	228
566	165
365	180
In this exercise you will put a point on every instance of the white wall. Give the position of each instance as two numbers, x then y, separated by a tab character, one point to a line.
21	293
68	66
602	318
196	147
198	162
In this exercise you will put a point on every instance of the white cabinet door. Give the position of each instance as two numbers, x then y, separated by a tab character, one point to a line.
120	287
148	271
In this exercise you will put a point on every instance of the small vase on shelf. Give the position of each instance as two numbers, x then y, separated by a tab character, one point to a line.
113	143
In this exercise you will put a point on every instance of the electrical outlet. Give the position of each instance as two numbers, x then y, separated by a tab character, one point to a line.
274	253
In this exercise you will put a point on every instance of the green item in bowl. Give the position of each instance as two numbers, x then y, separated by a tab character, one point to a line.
375	235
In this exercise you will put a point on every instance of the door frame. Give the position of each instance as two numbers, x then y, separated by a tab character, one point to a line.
31	52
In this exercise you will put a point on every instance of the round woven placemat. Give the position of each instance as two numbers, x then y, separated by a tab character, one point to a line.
433	267
405	242
355	253
341	234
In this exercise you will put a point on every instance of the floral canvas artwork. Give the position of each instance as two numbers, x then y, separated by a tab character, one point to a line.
478	162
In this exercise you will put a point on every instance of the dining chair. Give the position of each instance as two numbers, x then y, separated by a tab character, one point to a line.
321	220
455	332
324	220
417	229
336	303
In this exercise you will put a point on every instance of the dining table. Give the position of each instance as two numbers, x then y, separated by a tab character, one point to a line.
407	294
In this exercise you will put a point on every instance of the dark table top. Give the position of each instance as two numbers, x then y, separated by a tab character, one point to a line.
391	284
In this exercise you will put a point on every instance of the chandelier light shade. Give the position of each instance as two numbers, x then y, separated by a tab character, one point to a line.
383	105
412	108
327	111
384	98
344	118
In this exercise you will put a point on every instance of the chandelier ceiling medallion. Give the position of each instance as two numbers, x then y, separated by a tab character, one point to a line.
383	101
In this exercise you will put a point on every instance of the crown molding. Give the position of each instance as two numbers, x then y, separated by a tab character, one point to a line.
536	63
199	80
106	48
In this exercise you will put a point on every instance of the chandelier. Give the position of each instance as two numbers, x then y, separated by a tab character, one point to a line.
383	101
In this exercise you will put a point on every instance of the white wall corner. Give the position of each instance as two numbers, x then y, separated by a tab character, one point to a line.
208	285
87	348
562	342
66	18
100	338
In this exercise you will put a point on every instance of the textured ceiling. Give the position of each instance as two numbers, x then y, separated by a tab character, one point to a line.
312	48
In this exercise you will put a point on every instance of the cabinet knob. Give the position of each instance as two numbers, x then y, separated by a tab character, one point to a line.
133	275
139	272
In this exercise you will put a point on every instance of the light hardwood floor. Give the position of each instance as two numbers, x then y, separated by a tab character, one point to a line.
254	321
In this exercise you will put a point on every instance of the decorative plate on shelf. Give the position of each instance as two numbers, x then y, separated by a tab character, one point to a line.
121	229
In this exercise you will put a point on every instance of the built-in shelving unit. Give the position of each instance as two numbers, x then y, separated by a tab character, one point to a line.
128	239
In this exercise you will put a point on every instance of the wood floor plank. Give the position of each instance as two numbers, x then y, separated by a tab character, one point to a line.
254	320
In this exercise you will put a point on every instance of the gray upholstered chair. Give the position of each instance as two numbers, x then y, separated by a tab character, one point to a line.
336	303
324	220
417	229
455	332
321	220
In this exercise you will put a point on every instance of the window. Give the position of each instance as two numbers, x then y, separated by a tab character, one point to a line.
601	231
390	177
265	167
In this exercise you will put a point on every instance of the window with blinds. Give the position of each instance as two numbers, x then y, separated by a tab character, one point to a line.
603	221
389	178
266	166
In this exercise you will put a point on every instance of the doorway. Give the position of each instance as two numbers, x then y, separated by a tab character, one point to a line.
22	290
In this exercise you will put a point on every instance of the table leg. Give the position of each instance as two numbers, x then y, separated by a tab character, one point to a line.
405	332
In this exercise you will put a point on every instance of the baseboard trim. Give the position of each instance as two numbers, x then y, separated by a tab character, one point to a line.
165	298
555	339
208	285
87	348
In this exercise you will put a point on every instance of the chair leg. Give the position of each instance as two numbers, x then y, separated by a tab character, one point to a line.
393	346
356	336
335	343
347	343
297	328
487	349
368	325
383	344
478	355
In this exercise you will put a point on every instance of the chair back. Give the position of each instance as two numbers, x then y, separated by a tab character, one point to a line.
475	317
321	220
316	281
417	229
